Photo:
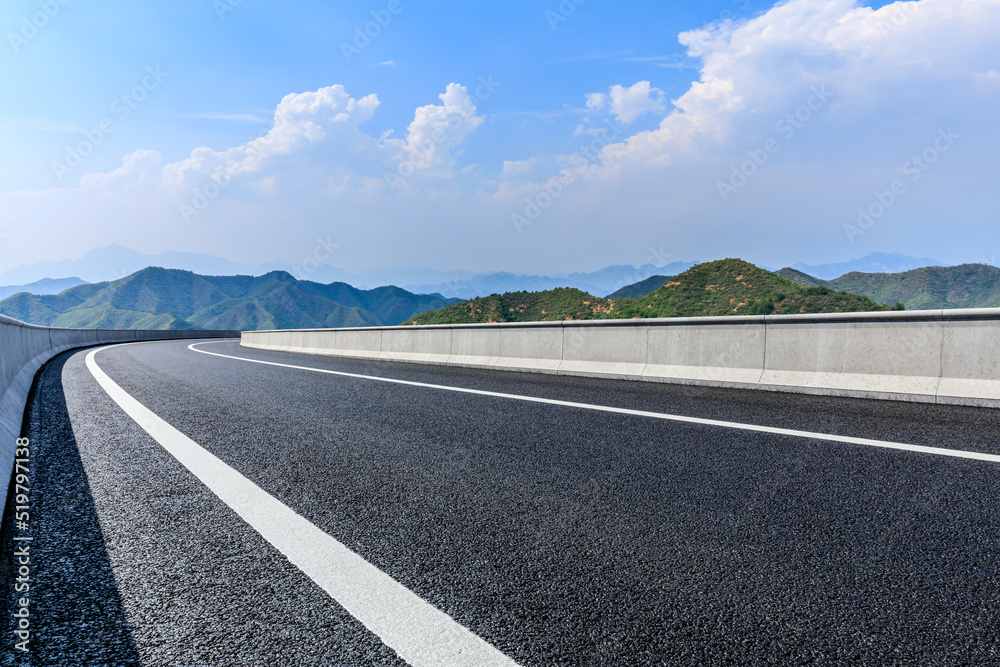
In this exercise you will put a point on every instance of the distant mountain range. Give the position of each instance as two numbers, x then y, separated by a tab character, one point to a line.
927	288
114	262
876	262
44	286
157	298
641	288
724	287
601	282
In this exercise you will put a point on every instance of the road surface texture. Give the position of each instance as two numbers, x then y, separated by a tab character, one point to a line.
551	534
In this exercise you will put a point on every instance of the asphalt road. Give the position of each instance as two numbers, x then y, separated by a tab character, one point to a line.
556	534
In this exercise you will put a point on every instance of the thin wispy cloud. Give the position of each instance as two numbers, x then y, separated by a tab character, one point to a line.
240	117
551	114
40	125
596	55
758	137
672	61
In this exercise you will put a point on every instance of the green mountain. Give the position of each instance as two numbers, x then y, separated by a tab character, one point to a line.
803	279
724	287
641	288
562	303
156	298
929	288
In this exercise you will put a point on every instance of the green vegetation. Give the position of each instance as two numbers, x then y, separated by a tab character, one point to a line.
157	298
564	303
929	288
641	288
803	279
724	287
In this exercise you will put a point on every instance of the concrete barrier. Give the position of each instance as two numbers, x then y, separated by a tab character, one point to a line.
950	356
605	349
25	348
535	347
475	345
722	352
871	355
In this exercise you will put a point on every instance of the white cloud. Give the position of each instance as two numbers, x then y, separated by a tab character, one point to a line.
756	70
630	103
41	125
300	119
896	76
627	104
436	130
988	78
517	168
314	156
240	117
597	101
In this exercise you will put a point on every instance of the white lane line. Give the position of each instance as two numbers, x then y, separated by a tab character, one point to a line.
421	634
937	451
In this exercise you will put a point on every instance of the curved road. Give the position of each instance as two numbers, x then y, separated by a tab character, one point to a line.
207	509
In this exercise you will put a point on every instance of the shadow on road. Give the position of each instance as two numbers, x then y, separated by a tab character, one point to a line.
76	612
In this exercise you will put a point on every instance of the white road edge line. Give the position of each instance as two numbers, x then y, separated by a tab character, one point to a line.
937	451
422	635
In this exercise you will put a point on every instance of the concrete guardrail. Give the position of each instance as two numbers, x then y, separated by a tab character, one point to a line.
25	348
942	356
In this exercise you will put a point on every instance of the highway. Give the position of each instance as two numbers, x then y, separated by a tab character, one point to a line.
321	511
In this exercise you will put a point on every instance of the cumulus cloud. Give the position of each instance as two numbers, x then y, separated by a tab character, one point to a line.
512	169
299	119
888	81
756	70
315	152
628	104
436	130
988	78
597	101
842	94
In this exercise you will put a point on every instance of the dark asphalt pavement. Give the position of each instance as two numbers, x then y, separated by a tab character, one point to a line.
561	536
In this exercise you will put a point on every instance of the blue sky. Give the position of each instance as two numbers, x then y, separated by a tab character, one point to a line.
597	136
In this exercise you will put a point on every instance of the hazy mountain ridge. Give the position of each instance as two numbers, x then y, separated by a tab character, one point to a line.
876	262
158	298
114	262
601	282
641	288
723	287
43	286
927	288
